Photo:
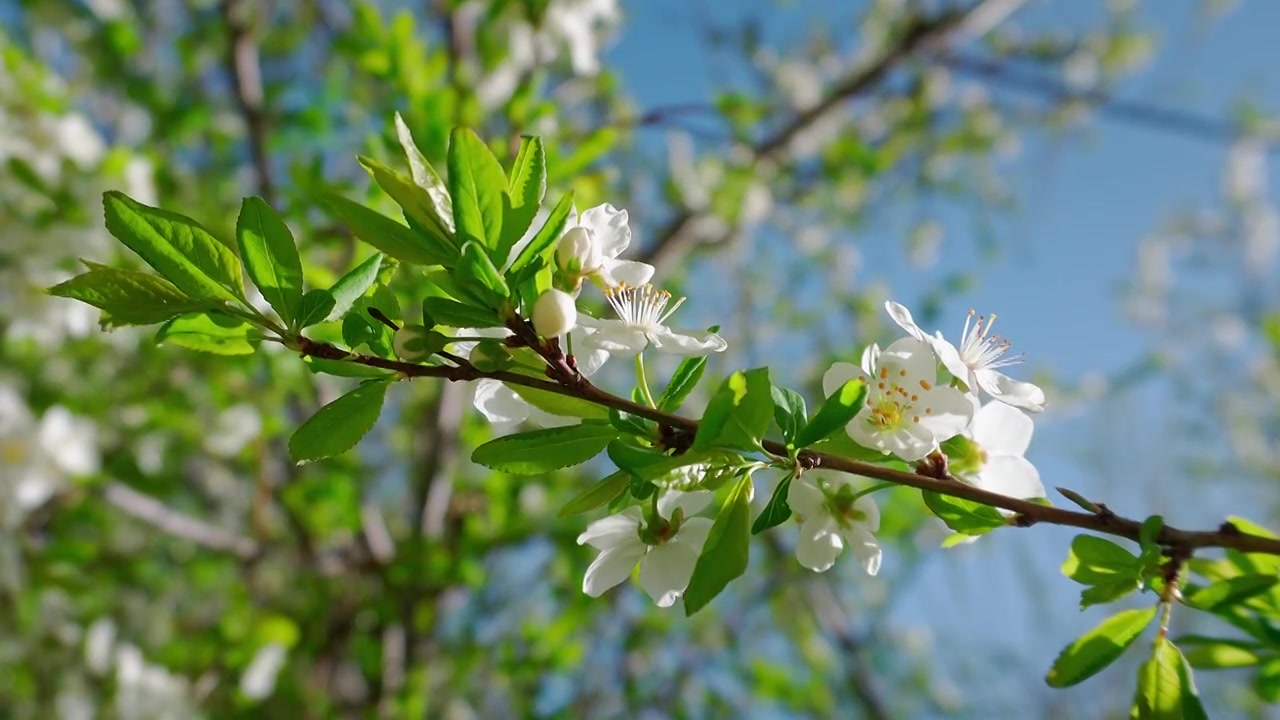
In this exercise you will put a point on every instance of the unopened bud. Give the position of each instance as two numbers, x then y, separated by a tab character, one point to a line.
415	342
577	253
554	313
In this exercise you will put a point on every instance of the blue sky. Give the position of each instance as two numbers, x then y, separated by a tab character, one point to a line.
1065	253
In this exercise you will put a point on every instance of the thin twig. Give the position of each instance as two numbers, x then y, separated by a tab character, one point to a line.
243	64
162	517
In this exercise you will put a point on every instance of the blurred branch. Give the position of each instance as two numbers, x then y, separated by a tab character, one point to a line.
920	36
160	516
243	64
1191	125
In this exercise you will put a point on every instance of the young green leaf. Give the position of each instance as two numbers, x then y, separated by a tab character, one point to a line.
1106	592
631	424
418	205
526	186
1096	561
1090	653
176	246
789	412
1231	591
683	381
385	234
424	175
211	332
1209	653
964	516
1166	690
544	242
562	405
541	451
778	510
834	414
601	493
270	256
724	556
739	413
452	313
130	297
338	426
353	286
477	185
317	305
478	271
633	460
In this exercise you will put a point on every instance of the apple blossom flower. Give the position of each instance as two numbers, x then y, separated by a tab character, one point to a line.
554	313
39	455
641	312
831	519
976	360
666	550
590	247
999	437
905	412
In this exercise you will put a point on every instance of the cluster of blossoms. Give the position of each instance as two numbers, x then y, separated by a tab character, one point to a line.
909	413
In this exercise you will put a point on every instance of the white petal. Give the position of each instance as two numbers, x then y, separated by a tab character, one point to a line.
819	544
870	510
691	503
914	356
631	272
870	358
950	412
588	357
71	442
694	533
609	226
678	343
1011	476
665	572
33	489
901	315
1014	392
499	403
614	530
1002	429
864	546
950	358
839	374
805	497
611	567
614	337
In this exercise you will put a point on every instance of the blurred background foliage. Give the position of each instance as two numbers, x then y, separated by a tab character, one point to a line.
160	558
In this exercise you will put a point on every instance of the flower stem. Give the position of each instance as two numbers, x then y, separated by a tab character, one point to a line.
643	380
873	488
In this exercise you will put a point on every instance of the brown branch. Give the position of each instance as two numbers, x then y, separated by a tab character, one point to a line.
1029	513
243	65
162	517
921	35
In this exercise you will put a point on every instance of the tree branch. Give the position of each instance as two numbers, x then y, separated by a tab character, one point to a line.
1028	513
160	516
246	75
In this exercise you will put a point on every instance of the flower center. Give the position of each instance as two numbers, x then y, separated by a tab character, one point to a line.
980	349
894	403
13	452
643	307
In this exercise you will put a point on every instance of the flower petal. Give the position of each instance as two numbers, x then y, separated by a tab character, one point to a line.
870	358
901	315
805	497
839	374
609	228
1002	429
499	403
914	356
819	544
694	533
1025	395
1011	476
611	567
614	337
614	530
868	508
665	572
950	358
691	503
678	343
865	547
945	411
631	272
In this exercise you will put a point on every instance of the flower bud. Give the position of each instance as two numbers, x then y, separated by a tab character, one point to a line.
577	253
415	342
554	313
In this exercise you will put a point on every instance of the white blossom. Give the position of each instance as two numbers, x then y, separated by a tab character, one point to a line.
831	519
259	678
554	313
591	244
1001	434
641	313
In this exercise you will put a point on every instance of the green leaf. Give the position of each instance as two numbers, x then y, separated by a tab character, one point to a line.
478	271
338	426
834	414
541	451
477	184
341	368
739	413
632	424
1208	653
1231	591
1097	561
425	176
526	186
778	510
1090	653
683	381
964	516
544	242
176	246
789	412
452	313
1268	680
1106	592
351	287
633	460
601	493
402	243
724	556
658	472
129	297
562	405
418	204
317	305
270	256
1166	690
211	332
